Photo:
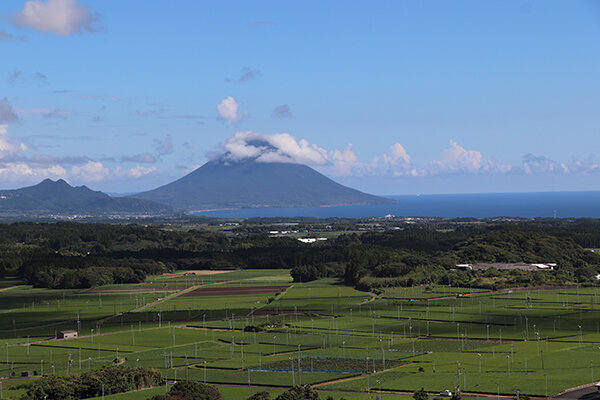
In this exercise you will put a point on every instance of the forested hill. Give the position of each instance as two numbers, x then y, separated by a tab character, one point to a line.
58	197
82	255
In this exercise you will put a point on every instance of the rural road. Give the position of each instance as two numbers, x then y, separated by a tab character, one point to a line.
586	393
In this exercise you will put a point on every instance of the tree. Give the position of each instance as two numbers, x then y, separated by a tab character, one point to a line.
299	393
420	395
192	390
260	396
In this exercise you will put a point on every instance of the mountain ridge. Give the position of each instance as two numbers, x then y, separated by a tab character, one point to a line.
221	184
58	197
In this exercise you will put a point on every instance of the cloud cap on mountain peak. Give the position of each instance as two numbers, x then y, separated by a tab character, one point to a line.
278	147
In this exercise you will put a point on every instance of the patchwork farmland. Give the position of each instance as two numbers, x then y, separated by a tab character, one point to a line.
247	331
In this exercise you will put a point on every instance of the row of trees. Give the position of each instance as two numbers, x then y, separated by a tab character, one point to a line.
72	255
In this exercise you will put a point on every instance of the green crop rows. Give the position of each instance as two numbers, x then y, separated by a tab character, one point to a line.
539	342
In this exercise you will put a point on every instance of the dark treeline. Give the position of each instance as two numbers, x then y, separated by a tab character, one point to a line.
95	383
72	255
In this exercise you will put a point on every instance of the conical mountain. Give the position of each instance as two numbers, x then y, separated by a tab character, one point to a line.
249	184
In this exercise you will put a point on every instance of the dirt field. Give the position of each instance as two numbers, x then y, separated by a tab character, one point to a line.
224	291
198	272
141	289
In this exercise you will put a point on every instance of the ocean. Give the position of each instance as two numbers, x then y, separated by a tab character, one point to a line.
488	205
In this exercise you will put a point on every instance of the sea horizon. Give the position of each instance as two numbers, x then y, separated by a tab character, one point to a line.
560	204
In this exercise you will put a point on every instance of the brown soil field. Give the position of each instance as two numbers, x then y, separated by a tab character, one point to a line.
233	290
198	272
141	289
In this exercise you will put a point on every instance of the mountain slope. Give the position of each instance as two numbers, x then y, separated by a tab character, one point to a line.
58	197
250	184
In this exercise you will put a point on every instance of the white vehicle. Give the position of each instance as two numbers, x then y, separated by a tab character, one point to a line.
446	393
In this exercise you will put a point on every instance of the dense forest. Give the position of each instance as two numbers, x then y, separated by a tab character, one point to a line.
73	255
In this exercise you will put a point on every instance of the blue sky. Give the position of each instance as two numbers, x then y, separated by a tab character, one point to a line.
392	97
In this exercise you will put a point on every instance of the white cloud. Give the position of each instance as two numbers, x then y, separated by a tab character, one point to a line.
21	172
279	147
92	171
538	164
7	147
398	153
61	17
138	171
19	168
532	164
396	162
457	159
344	162
229	110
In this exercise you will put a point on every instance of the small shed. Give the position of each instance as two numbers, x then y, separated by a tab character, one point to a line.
67	334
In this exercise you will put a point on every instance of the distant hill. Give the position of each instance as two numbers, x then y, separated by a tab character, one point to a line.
58	197
250	184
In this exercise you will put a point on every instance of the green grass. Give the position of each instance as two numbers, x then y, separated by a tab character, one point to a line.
392	341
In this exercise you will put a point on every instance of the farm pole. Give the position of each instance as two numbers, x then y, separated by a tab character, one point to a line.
542	359
458	376
367	361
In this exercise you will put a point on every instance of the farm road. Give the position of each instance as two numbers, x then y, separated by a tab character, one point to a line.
172	295
589	392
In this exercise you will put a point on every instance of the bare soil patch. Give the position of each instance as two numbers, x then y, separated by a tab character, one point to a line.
198	272
233	290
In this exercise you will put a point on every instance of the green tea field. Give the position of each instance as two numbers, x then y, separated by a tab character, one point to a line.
247	331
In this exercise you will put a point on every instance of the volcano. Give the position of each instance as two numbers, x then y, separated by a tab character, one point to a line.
222	184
